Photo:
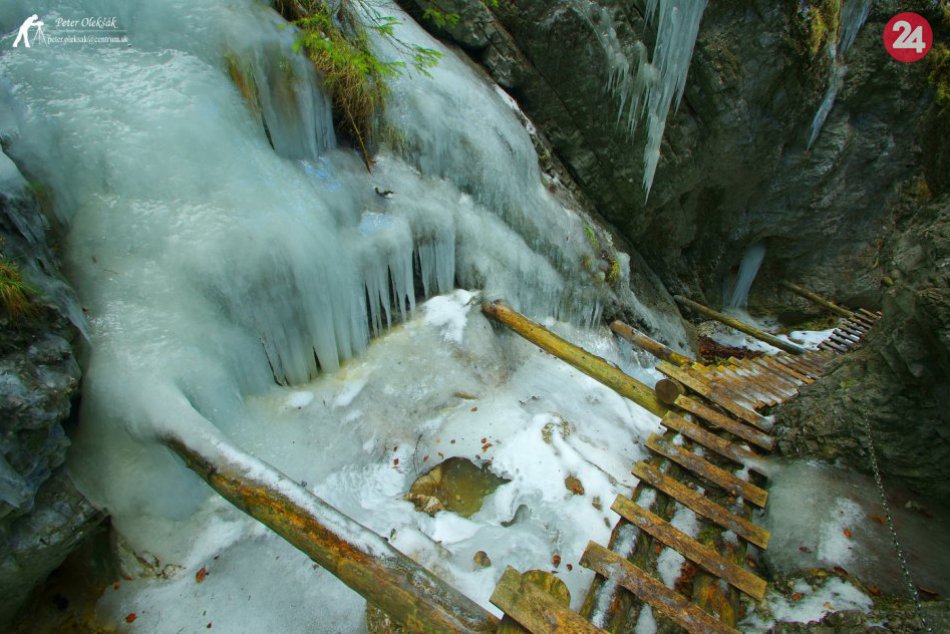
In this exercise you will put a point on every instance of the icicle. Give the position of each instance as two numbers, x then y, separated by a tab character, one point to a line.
647	90
748	269
854	13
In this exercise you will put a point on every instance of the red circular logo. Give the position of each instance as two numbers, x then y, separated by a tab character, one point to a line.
908	37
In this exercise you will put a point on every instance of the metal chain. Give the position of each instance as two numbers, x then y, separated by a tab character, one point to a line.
911	587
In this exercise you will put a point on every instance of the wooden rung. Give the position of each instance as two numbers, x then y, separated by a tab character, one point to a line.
701	504
774	374
829	343
872	316
699	386
778	389
758	384
534	609
847	335
713	442
778	368
803	364
730	387
668	603
708	471
727	423
705	557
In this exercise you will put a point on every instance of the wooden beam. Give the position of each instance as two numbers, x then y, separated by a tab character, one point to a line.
711	441
817	299
665	601
752	331
706	558
590	364
534	609
668	390
702	505
654	347
404	590
696	383
722	421
708	471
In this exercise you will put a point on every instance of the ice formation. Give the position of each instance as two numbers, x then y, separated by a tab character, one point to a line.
232	258
738	295
648	87
854	13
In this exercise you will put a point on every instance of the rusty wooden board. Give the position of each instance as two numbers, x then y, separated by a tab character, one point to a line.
713	442
725	422
535	610
702	505
670	604
699	386
776	367
705	557
708	471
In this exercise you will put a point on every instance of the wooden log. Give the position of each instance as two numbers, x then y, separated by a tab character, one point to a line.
709	440
703	556
590	364
708	471
665	601
722	421
872	317
654	347
536	610
668	390
818	299
776	367
697	384
752	331
404	590
702	505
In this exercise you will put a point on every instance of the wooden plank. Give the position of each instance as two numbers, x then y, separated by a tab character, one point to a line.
777	367
751	384
654	347
722	421
741	388
817	299
705	557
666	602
768	382
713	442
537	611
708	471
696	384
872	316
752	331
788	381
590	364
702	505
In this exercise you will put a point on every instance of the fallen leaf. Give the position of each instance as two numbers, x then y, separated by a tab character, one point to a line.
475	409
840	570
556	560
201	574
847	533
396	462
877	518
874	591
130	617
484	440
570	567
486	447
796	596
804	549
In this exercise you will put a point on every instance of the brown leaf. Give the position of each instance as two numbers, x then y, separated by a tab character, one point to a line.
556	560
875	591
847	532
877	518
486	447
201	574
796	596
130	617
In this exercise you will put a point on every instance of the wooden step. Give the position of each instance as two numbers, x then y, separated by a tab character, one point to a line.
695	383
535	610
702	505
722	421
666	602
777	367
703	556
711	441
708	471
787	385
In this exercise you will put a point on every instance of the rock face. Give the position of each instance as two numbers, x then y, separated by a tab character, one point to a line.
42	516
735	166
901	378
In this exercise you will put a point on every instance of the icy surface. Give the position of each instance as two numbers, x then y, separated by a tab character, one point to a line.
738	295
647	87
843	524
235	262
809	603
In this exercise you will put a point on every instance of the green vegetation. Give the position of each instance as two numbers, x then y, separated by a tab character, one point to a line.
446	19
337	41
818	24
15	293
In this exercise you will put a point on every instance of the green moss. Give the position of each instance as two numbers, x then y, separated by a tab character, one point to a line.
592	238
613	275
15	293
337	41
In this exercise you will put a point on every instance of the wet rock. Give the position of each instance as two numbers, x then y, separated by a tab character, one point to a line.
455	485
482	559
